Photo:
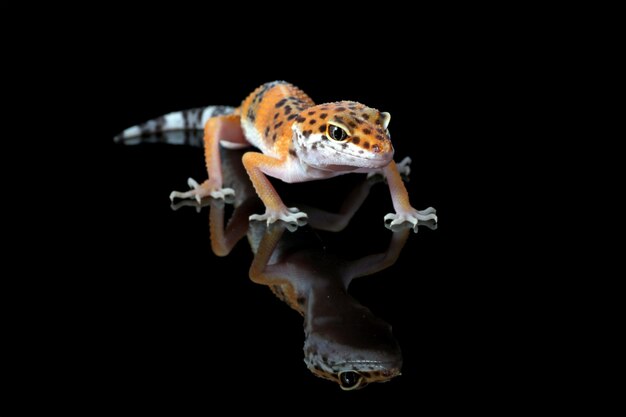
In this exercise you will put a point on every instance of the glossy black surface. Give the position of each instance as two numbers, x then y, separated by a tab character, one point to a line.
137	315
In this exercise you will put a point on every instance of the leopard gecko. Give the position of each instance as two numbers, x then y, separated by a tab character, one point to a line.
298	141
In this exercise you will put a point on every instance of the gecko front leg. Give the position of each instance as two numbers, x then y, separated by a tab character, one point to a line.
222	128
258	165
400	197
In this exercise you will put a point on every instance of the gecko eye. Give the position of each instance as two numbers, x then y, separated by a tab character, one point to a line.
337	133
349	380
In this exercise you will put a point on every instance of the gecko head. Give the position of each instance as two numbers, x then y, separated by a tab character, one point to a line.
342	136
352	351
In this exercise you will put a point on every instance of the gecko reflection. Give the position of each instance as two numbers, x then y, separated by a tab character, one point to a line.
344	341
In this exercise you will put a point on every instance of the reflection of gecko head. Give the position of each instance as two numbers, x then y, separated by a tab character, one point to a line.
352	350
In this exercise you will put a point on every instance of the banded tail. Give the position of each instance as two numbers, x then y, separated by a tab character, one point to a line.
183	121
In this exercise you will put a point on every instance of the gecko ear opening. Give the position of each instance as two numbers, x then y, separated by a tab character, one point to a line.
386	119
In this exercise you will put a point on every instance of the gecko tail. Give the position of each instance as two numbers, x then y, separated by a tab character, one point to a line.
179	121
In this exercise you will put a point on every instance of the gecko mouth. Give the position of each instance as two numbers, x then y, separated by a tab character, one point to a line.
374	366
353	162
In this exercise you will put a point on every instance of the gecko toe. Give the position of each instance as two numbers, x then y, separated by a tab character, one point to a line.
414	218
192	183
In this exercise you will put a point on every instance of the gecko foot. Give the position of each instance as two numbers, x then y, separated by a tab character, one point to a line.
291	216
199	191
404	169
413	217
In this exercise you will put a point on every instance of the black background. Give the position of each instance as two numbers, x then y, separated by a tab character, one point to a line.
147	320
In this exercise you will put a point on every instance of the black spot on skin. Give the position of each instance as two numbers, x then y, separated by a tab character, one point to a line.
251	115
366	117
344	145
287	109
281	102
366	145
277	125
322	145
314	146
267	131
359	121
379	130
339	118
351	124
311	113
274	137
341	108
356	140
361	151
325	137
275	116
292	116
367	131
295	155
312	121
323	128
300	119
380	137
353	114
307	133
323	116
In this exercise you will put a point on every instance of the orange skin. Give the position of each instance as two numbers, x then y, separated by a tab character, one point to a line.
300	141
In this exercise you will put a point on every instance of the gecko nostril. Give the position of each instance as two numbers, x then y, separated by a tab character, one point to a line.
376	148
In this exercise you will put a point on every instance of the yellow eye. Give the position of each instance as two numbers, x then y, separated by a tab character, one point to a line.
337	133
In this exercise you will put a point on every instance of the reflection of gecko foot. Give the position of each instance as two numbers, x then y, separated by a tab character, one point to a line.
414	217
214	203
205	190
291	216
431	224
189	203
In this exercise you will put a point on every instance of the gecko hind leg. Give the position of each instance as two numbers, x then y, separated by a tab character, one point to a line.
222	128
